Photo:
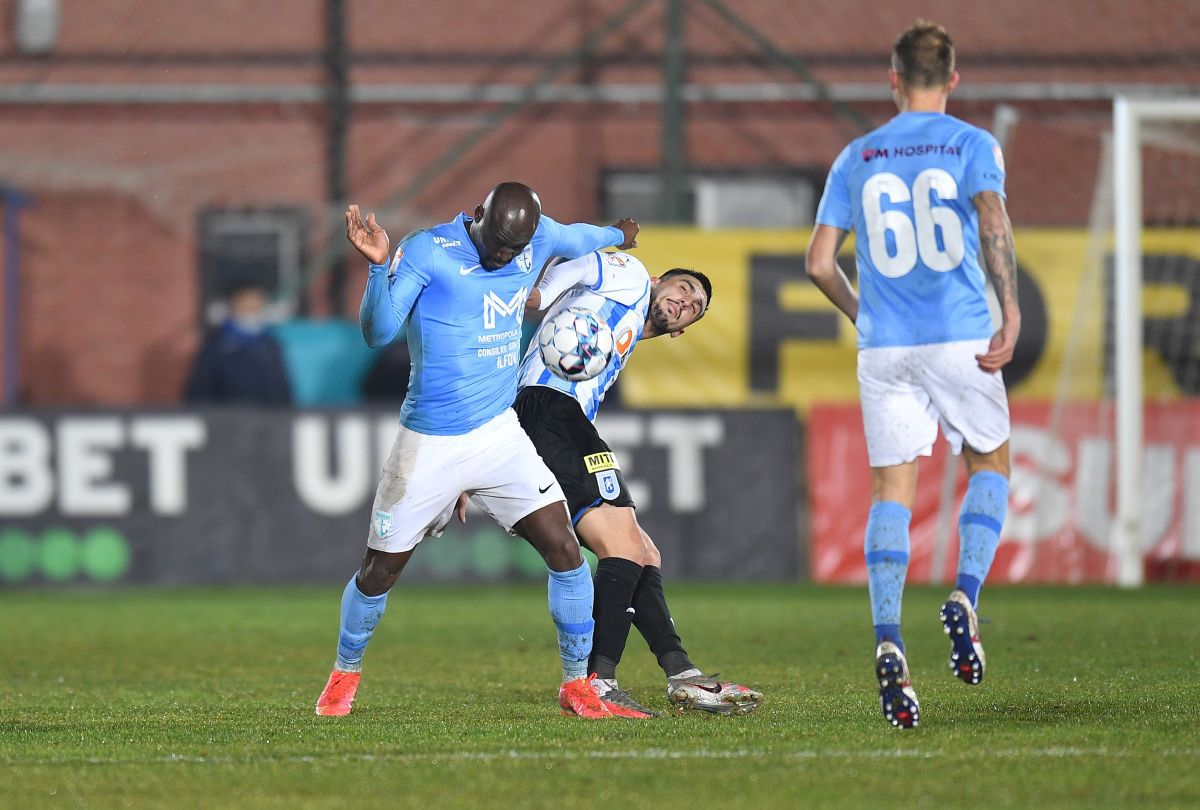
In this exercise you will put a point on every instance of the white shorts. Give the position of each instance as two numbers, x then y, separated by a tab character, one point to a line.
907	390
496	464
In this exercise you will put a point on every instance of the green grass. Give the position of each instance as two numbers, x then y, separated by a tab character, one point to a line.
204	698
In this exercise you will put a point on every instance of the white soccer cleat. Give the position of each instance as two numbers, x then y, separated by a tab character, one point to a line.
707	694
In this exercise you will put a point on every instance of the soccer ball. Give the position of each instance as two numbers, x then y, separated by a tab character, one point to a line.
575	344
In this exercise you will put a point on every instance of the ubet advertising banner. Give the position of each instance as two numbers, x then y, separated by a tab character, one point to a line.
250	496
771	339
1060	505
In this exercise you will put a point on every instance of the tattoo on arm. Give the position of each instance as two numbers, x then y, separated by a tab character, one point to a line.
999	253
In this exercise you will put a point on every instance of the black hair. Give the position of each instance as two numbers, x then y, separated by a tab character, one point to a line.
696	274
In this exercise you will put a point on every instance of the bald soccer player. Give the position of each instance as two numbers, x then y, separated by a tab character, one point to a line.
460	289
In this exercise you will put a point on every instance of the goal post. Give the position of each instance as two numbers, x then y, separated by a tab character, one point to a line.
1130	118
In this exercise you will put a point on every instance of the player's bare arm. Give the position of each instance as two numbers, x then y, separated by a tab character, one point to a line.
822	267
1000	260
367	236
630	228
533	304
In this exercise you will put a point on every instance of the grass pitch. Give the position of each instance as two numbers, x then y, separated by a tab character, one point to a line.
205	698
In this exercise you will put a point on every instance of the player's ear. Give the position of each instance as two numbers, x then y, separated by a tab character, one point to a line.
953	82
893	79
479	213
676	333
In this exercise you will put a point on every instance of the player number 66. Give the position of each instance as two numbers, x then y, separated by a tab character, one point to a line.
916	235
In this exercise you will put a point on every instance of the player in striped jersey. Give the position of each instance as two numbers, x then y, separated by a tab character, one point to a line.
558	414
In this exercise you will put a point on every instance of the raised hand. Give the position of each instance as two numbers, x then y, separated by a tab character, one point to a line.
367	237
630	229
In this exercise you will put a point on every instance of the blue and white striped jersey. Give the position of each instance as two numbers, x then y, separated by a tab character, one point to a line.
616	286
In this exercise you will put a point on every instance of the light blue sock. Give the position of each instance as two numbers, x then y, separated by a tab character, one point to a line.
886	548
570	596
979	524
360	614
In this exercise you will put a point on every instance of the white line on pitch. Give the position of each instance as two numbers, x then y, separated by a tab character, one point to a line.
1065	752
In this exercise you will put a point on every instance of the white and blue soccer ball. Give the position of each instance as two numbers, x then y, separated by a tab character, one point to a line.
575	344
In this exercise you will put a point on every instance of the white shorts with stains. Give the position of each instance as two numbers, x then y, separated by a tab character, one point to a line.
496	464
907	391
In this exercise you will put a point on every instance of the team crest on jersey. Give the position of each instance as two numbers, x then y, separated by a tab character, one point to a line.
624	342
615	259
610	485
383	523
525	260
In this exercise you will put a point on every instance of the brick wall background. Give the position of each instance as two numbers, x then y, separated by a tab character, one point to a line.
109	283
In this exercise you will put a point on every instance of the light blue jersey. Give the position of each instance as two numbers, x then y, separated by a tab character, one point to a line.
464	322
906	189
616	286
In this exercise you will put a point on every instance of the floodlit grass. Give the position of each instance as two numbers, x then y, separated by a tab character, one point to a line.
204	698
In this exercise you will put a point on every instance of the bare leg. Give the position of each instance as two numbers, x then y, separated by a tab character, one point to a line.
549	531
380	570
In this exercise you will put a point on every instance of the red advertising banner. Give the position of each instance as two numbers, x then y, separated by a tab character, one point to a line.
1061	502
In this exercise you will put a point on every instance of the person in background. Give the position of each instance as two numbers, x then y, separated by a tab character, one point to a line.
240	361
387	380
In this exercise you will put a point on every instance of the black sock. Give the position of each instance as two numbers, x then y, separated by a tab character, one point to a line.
616	579
653	620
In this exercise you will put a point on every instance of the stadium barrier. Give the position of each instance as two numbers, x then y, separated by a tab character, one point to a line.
260	496
1061	507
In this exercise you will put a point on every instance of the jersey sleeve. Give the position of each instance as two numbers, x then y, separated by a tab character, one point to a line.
622	278
392	290
984	166
835	208
563	276
578	239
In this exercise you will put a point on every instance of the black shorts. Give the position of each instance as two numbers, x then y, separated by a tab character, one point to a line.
569	444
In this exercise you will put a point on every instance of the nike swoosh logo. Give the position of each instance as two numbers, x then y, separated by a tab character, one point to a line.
466	271
542	490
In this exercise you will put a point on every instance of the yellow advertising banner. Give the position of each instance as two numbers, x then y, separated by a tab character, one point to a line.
770	337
